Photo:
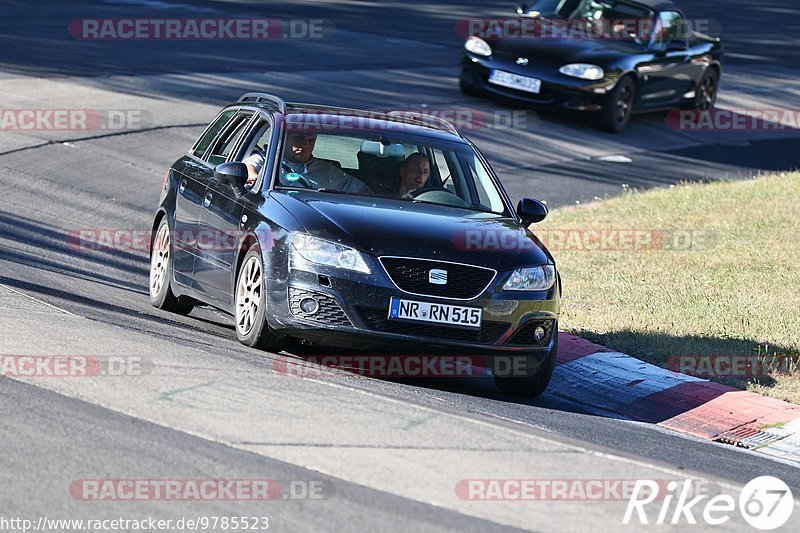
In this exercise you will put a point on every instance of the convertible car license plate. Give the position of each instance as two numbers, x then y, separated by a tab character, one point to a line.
455	315
515	81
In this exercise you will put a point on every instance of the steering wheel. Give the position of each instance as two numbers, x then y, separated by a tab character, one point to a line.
427	188
300	178
438	195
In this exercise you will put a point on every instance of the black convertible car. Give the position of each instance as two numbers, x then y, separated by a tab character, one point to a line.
609	57
359	230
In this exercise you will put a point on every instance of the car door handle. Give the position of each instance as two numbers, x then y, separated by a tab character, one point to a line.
207	201
182	186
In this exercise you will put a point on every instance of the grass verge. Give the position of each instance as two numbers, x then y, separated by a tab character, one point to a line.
705	270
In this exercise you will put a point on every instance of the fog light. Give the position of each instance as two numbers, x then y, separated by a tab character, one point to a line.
309	306
538	333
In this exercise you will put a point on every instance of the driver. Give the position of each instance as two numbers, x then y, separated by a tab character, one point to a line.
414	174
298	158
300	167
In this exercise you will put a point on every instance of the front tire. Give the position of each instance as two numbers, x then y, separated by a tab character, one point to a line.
161	268
467	88
617	111
706	92
534	384
250	303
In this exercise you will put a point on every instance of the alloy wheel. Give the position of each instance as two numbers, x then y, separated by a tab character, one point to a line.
159	261
624	104
248	296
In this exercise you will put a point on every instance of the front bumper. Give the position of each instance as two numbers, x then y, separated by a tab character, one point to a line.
353	313
557	90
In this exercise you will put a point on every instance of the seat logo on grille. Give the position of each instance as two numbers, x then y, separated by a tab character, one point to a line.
522	61
437	276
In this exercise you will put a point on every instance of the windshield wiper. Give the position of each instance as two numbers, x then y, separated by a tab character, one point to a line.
480	209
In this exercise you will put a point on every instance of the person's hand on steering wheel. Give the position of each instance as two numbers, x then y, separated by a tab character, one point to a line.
298	179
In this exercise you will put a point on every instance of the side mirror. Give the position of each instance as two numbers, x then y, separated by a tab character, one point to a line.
531	211
233	174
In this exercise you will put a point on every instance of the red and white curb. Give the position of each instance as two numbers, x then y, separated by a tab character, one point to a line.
610	382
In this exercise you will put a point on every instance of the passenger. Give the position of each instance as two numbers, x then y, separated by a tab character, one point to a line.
414	174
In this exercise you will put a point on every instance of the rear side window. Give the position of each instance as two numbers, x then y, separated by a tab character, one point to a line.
228	139
202	144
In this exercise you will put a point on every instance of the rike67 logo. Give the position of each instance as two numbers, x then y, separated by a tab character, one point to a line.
765	503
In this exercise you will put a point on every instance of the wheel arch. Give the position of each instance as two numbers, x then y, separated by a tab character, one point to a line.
249	240
160	215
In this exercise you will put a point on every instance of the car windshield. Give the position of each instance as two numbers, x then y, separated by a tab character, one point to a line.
624	18
388	164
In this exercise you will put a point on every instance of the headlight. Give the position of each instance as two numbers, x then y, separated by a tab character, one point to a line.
538	278
583	71
478	46
328	253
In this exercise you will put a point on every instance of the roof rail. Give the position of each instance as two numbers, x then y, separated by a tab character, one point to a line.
429	119
264	97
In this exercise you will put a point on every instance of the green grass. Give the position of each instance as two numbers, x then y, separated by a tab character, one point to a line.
736	292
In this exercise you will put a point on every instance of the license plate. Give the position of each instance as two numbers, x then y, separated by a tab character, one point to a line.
515	81
454	315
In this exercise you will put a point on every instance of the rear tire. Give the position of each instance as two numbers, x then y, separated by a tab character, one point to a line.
250	305
618	107
532	385
161	270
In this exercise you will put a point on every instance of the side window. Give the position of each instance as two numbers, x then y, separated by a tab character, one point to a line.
254	150
669	27
257	139
211	132
487	192
444	171
228	139
262	142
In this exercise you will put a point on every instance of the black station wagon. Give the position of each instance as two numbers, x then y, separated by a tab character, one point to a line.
346	228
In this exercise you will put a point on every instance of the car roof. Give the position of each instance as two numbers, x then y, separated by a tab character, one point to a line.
342	118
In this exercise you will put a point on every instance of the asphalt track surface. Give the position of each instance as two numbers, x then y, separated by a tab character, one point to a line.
389	453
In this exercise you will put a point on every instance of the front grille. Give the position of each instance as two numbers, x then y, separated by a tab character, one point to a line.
329	312
524	334
464	282
376	319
